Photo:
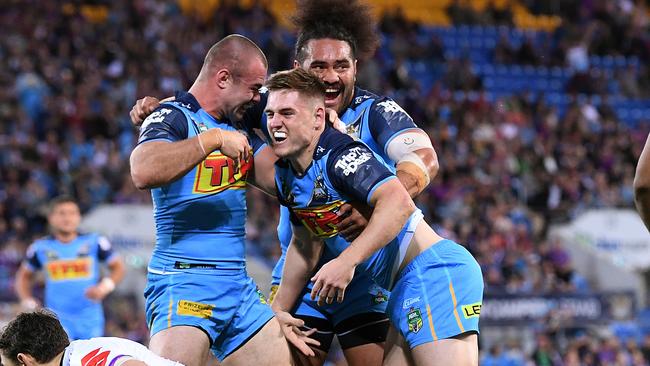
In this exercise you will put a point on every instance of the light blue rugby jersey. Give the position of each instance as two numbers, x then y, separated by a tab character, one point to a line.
343	170
70	268
370	118
200	218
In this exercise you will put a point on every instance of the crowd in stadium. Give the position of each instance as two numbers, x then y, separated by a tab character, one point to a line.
510	164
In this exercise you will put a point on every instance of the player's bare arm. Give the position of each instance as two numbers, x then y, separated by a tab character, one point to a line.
417	161
157	163
23	285
392	208
107	285
642	184
263	174
302	256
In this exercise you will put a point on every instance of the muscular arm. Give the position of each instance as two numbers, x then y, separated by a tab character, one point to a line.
263	175
392	208
642	185
302	256
417	163
157	163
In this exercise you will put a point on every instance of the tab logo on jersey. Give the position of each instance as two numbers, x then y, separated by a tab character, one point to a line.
351	161
197	309
321	220
218	172
472	310
69	269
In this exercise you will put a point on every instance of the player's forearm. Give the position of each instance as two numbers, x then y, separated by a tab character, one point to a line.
117	270
295	274
387	220
263	176
23	284
417	169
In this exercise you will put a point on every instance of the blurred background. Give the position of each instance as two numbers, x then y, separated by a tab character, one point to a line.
538	110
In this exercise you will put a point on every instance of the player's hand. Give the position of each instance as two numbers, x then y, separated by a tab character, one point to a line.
355	219
142	108
332	117
235	146
298	338
331	280
99	291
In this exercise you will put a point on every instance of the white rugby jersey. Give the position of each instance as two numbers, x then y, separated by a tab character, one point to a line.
110	351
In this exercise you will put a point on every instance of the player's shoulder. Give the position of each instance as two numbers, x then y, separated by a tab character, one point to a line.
42	242
362	96
167	113
173	112
331	140
386	106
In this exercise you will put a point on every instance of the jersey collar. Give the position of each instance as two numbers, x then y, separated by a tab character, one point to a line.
187	100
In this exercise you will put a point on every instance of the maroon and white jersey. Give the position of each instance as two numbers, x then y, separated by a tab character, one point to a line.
110	351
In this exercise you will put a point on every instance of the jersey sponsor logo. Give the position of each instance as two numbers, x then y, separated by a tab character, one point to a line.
350	162
218	172
94	358
472	310
70	269
197	309
321	220
414	320
390	106
155	117
410	301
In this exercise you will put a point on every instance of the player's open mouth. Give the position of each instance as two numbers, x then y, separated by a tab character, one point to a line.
279	136
331	93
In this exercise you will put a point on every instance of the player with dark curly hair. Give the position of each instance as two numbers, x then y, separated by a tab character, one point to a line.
38	339
333	35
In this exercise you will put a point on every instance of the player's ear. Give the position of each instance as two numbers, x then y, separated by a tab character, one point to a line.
223	78
320	117
296	64
25	359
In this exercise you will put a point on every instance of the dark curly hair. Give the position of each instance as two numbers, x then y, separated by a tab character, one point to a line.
346	20
38	334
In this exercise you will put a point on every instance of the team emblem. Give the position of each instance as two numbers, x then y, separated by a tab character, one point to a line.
319	194
378	295
414	320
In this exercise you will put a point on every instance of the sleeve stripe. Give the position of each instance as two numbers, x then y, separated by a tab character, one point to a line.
397	133
377	186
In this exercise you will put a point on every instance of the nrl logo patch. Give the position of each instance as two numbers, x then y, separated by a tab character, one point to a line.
414	320
378	295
